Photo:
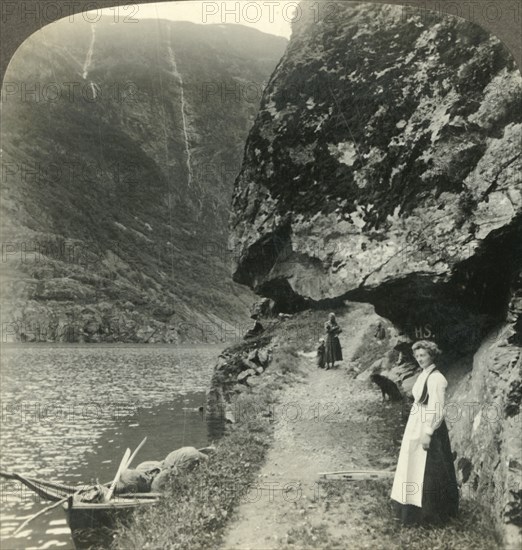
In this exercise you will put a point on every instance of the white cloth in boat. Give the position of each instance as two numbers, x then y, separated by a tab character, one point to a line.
184	459
149	466
178	461
134	481
423	419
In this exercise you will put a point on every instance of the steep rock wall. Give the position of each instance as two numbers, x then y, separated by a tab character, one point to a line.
384	166
485	420
385	156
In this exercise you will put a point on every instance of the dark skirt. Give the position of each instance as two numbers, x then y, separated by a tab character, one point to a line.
440	495
333	349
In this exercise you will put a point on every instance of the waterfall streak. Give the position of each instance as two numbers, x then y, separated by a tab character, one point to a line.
88	60
177	74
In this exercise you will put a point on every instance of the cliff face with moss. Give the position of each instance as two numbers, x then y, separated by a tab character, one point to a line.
384	166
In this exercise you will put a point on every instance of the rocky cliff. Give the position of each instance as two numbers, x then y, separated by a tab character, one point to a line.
484	417
121	143
384	166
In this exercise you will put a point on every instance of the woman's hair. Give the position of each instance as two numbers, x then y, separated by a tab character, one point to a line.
429	346
331	315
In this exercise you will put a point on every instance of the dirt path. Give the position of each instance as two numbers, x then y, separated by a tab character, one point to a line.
327	422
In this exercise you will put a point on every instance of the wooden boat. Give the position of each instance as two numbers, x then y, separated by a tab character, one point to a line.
52	491
90	522
48	490
90	514
92	511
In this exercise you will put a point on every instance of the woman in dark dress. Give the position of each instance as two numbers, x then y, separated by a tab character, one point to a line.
425	485
333	347
320	355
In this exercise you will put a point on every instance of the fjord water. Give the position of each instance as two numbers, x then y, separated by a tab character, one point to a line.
69	413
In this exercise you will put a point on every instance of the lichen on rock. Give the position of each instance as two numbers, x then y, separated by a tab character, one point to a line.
384	166
430	127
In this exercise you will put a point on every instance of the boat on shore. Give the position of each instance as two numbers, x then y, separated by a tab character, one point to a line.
93	511
91	523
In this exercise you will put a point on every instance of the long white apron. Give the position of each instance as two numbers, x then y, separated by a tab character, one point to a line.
409	475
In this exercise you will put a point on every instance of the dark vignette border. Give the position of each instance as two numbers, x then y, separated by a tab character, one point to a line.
504	21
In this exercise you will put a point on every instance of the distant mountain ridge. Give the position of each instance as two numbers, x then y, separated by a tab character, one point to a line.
120	147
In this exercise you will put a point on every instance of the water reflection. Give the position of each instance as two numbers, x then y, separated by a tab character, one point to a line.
69	413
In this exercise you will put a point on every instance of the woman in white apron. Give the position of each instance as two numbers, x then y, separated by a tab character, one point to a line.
425	485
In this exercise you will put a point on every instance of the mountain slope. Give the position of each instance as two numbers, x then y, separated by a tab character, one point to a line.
118	181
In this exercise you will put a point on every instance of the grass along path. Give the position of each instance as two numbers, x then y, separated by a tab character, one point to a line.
324	424
329	421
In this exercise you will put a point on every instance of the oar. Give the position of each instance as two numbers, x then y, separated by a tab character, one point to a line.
121	469
34	516
54	505
41	512
135	453
124	465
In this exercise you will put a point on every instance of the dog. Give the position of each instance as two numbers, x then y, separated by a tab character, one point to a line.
387	387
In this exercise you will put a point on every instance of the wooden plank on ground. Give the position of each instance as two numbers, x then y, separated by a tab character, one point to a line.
356	475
